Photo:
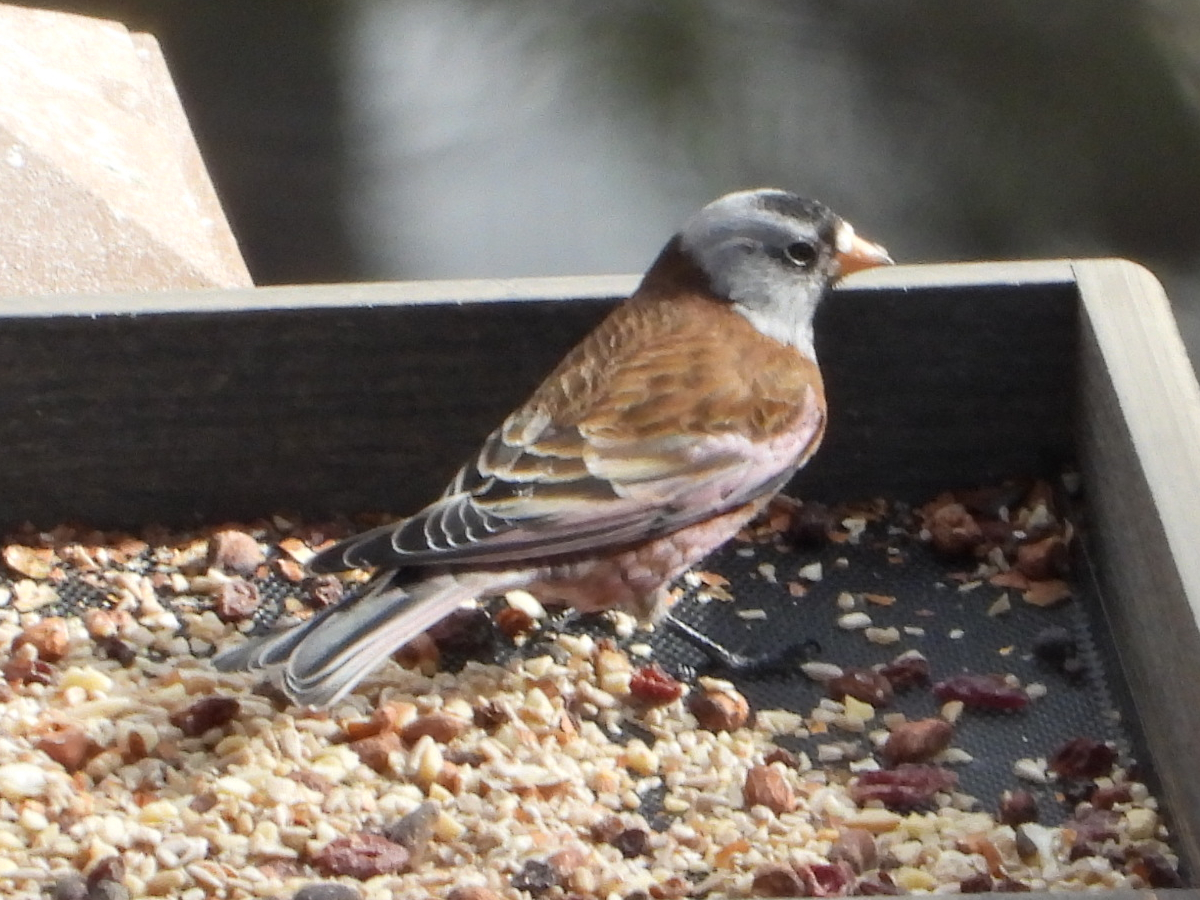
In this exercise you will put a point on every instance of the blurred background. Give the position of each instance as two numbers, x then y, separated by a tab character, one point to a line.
398	139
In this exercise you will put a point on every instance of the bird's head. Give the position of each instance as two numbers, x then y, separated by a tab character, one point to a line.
774	255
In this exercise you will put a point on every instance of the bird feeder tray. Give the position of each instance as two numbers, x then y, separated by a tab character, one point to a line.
210	406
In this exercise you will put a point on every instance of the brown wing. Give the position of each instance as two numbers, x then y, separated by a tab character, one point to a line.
670	412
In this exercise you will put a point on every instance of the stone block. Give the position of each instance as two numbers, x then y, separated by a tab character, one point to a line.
103	185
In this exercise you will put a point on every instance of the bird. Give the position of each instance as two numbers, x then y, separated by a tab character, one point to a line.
662	433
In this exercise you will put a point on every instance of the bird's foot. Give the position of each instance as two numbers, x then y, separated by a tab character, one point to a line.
778	661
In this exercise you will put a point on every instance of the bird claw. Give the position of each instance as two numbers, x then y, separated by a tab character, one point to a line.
722	659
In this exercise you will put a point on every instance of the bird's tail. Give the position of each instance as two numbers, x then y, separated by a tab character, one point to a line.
317	662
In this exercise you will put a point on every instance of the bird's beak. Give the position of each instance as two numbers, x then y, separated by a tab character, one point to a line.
855	254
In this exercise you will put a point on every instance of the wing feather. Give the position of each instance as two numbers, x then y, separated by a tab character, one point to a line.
607	452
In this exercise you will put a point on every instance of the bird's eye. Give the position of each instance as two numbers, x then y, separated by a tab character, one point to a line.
801	254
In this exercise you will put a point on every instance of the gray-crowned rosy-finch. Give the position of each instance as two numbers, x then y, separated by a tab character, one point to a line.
649	446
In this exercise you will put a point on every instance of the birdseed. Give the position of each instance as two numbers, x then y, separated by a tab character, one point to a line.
130	767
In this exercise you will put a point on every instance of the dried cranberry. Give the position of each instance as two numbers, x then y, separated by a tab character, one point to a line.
653	686
981	691
903	787
1083	758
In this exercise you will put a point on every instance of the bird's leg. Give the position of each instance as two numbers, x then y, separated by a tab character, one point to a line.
781	660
